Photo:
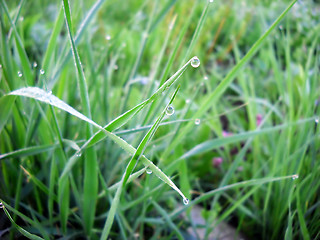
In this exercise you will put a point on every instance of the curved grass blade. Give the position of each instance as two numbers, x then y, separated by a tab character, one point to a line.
209	194
125	117
49	98
215	143
20	229
131	165
28	151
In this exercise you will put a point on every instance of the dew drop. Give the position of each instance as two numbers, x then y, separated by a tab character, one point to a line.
195	62
211	1
108	37
188	101
1	205
205	78
148	171
296	176
316	120
35	64
19	74
41	71
115	67
197	121
78	154
185	201
170	110
0	66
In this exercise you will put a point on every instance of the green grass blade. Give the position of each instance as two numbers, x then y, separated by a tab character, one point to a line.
6	104
20	229
91	164
28	151
52	41
43	96
21	50
209	194
216	143
131	165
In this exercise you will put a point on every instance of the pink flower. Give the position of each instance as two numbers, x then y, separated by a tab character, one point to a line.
258	119
217	161
226	134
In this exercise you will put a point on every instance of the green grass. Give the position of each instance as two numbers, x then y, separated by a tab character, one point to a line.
88	147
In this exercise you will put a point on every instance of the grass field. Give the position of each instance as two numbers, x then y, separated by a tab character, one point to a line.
118	117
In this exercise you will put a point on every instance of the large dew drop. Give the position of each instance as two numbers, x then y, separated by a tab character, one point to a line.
170	110
185	201
148	171
41	71
195	62
19	74
197	121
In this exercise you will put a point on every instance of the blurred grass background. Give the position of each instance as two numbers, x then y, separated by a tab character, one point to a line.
264	125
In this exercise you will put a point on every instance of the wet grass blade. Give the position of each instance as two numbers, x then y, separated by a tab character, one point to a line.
91	164
131	165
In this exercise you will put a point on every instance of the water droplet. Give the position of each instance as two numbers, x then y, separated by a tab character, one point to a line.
170	110
21	19
197	121
280	27
1	205
316	120
78	154
205	78
188	101
19	74
115	67
35	64
41	71
0	66
195	62
148	171
108	37
296	176
185	201
210	1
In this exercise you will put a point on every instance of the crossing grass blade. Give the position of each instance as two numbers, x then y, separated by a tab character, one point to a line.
91	162
49	98
211	193
131	165
20	229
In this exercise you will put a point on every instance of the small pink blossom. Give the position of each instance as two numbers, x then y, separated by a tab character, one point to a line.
258	119
217	161
226	134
